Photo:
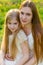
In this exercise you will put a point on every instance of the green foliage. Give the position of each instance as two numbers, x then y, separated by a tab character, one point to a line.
37	0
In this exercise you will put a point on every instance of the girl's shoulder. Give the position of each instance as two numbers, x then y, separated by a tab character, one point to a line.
21	35
21	32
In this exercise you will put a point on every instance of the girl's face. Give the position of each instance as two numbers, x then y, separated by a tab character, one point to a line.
13	25
25	15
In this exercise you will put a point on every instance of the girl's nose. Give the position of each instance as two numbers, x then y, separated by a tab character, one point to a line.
12	26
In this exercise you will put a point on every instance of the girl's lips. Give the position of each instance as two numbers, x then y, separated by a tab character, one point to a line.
12	28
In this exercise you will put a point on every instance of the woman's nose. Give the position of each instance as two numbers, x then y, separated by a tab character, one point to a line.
24	16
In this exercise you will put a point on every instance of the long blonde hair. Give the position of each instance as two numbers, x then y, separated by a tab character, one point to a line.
10	15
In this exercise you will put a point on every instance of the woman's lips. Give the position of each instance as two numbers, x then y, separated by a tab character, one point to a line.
23	21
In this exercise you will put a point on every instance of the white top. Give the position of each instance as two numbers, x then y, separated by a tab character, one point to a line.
21	37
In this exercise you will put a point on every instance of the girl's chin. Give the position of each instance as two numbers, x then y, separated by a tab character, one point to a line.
12	32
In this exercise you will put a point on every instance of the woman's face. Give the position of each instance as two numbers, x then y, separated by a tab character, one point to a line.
25	15
13	25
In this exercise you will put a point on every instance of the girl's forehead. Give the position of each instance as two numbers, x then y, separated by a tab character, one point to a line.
12	20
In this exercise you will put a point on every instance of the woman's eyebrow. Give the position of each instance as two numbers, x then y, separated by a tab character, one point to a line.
28	13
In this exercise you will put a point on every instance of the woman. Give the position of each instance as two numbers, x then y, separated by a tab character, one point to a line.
31	25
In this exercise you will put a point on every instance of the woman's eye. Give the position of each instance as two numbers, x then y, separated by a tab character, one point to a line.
28	14
22	13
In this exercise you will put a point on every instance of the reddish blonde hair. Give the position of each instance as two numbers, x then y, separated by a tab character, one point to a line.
10	15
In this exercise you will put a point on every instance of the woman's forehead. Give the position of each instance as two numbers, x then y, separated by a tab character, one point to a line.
26	9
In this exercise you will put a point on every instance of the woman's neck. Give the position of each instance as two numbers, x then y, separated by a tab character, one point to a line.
27	29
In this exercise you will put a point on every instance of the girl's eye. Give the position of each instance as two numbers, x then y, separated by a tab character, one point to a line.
9	23
15	23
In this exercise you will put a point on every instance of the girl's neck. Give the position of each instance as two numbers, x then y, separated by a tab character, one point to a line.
28	29
13	33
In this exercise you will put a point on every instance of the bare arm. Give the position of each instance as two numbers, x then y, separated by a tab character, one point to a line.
2	58
25	51
32	61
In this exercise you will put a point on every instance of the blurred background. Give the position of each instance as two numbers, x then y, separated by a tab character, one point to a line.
6	5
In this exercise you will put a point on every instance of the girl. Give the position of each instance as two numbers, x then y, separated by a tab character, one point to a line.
31	25
14	43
